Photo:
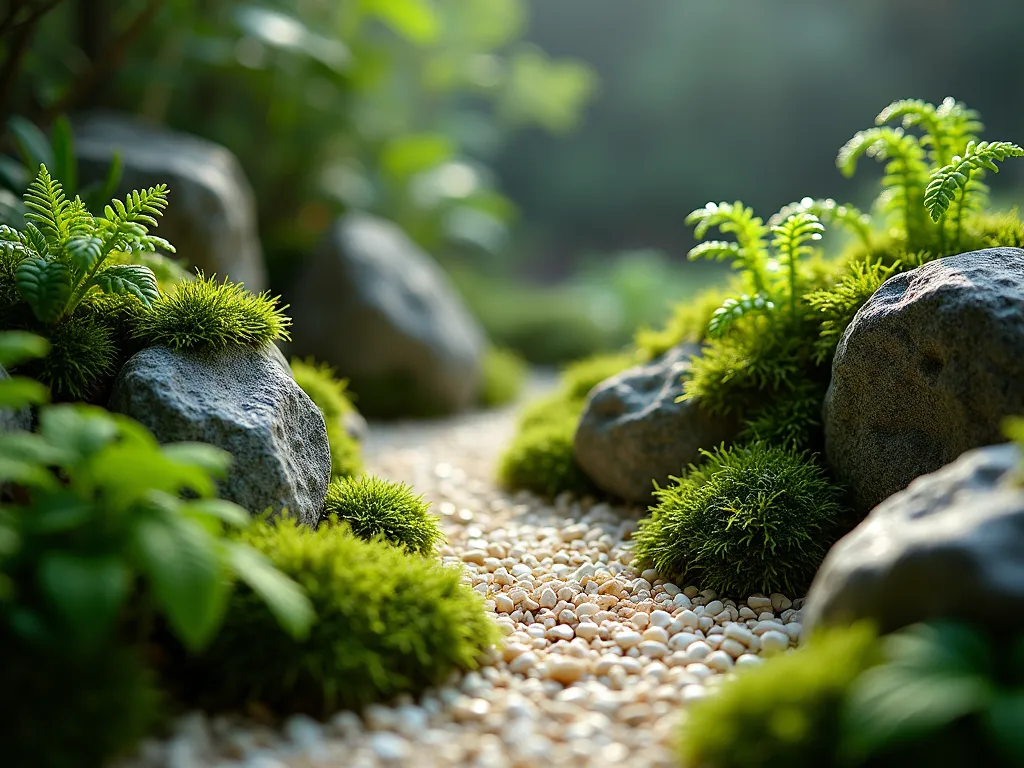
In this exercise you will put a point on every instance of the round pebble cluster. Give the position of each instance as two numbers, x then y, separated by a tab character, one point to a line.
598	662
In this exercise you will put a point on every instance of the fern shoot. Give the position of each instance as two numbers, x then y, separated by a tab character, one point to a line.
956	187
948	128
749	252
733	309
791	243
60	256
829	211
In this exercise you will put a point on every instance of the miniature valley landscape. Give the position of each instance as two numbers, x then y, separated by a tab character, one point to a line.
785	527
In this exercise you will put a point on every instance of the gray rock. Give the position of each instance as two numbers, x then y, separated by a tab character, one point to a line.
632	431
949	546
242	401
211	217
929	368
380	310
12	420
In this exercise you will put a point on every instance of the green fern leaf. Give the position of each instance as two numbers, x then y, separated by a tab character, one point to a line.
37	241
829	211
952	182
133	279
751	257
48	208
733	309
84	252
15	245
792	241
714	250
128	222
947	128
45	285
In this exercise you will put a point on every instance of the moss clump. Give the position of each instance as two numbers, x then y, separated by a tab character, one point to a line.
581	376
372	507
387	623
688	323
329	393
82	357
504	374
786	712
205	315
61	712
749	519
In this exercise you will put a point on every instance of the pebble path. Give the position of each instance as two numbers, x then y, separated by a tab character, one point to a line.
599	659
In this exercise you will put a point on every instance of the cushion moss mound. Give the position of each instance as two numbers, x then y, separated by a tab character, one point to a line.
504	374
372	507
328	392
786	712
386	623
750	519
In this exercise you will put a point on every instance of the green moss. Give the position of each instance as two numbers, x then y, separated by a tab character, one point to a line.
749	519
991	230
318	380
688	323
82	357
504	374
387	623
793	421
64	713
372	507
203	314
783	713
581	376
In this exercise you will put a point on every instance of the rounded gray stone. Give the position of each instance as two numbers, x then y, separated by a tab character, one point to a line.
211	216
633	432
243	401
929	368
375	306
950	546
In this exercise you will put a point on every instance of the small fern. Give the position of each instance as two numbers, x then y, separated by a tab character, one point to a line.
791	243
947	128
750	251
60	256
733	309
957	188
829	211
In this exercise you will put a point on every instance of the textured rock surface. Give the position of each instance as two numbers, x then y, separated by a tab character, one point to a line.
377	308
12	420
244	402
949	546
632	431
928	369
211	218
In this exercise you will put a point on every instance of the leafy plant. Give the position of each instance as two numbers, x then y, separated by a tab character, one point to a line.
373	507
61	253
756	518
785	712
318	380
205	315
84	543
386	623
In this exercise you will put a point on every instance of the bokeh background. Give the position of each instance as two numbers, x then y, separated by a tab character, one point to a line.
545	152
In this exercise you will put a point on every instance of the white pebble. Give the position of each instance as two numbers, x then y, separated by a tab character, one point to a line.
773	642
653	649
719	660
628	639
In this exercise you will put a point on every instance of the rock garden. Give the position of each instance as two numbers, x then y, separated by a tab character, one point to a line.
342	526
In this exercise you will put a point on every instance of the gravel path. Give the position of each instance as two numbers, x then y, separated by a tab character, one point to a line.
599	660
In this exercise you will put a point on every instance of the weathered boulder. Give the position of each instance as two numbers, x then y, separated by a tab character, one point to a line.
14	419
383	313
633	431
951	545
211	218
929	368
243	401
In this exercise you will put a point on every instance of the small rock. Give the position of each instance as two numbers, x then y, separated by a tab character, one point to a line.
565	669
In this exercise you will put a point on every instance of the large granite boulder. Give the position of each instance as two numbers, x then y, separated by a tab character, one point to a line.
633	431
949	546
243	401
928	369
211	218
383	313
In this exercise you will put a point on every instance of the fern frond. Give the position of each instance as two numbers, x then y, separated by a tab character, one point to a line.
947	128
951	182
751	236
792	238
962	125
733	309
829	211
128	222
715	250
48	208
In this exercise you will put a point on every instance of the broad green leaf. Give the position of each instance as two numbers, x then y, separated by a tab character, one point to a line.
59	512
20	391
79	429
151	472
181	562
87	592
33	146
217	509
18	346
415	20
283	597
45	285
405	156
64	165
134	279
209	457
84	253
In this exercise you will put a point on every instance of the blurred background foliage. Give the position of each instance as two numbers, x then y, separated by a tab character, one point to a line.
545	152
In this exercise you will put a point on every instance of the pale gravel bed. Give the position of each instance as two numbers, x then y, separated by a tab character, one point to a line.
599	661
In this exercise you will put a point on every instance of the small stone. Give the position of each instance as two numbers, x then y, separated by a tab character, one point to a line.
566	670
657	634
628	639
653	649
588	630
548	598
739	633
503	603
714	608
561	632
389	747
773	643
719	660
780	602
523	663
698	651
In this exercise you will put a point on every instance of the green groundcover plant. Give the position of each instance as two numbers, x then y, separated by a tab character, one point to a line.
329	393
938	694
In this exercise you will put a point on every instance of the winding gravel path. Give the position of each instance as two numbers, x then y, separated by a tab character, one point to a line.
599	660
